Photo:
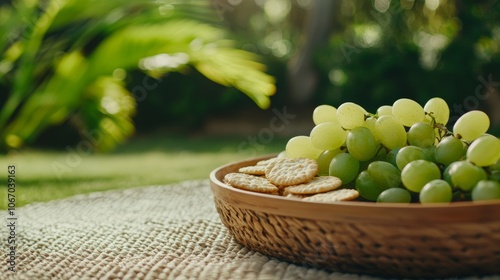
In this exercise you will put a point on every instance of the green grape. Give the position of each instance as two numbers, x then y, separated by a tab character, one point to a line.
324	161
367	187
494	171
384	174
446	174
464	175
380	156
327	136
384	110
350	115
407	111
436	191
395	195
391	132
484	151
439	109
449	150
494	175
301	146
430	153
325	113
391	157
370	124
421	134
495	166
418	173
408	154
471	125
486	190
361	143
345	167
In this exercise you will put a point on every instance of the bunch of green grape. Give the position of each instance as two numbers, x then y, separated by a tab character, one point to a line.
404	152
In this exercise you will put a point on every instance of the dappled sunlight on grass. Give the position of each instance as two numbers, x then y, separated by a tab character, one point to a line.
48	175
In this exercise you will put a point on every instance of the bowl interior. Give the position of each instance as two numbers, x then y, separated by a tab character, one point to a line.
363	212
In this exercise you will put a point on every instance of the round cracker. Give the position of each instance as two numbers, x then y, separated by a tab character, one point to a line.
250	183
253	170
297	196
291	171
265	162
333	196
316	185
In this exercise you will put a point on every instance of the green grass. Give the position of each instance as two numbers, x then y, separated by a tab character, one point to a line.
43	175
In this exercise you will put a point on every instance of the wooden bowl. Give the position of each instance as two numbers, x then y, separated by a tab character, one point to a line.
395	240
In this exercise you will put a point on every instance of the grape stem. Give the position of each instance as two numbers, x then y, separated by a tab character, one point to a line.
369	115
433	119
442	130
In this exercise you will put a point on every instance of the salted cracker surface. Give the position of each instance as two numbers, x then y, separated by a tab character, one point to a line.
333	196
291	171
250	183
253	170
316	185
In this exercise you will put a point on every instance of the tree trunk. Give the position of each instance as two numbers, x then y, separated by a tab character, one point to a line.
302	77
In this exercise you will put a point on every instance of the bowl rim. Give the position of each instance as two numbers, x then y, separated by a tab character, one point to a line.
354	211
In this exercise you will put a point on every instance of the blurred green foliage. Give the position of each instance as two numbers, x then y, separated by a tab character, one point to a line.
382	50
415	49
65	61
377	51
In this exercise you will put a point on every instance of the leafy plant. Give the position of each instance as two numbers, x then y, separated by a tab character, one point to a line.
65	59
410	50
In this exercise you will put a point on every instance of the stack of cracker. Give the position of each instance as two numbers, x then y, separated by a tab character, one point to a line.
290	177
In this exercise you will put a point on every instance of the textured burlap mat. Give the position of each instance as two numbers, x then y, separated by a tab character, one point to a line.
160	232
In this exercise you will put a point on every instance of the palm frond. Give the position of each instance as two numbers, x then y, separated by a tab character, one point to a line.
78	44
106	111
52	101
24	74
240	69
126	47
212	56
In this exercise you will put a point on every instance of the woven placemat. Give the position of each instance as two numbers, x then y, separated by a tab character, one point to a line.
159	232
